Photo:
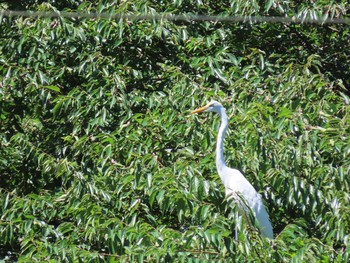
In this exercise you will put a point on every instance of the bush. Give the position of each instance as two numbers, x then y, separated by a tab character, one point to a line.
100	161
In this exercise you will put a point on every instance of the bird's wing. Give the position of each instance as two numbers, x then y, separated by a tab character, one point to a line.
238	188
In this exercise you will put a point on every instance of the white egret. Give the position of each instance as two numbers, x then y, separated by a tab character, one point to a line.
234	181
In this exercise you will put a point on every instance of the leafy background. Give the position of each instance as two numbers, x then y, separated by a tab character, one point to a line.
100	161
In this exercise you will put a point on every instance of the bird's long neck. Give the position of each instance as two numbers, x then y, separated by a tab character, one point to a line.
220	160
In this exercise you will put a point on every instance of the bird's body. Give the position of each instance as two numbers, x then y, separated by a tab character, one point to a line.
236	185
253	199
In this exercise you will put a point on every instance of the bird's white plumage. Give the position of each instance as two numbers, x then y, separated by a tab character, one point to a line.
233	180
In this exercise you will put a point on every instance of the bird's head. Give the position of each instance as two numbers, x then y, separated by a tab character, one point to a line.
210	107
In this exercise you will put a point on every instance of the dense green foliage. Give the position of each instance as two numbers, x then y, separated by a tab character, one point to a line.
100	161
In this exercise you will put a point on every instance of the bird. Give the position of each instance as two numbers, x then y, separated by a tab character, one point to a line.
236	185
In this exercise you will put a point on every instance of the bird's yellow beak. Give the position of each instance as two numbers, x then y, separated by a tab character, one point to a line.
199	109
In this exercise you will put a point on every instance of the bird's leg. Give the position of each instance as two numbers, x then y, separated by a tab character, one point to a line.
237	222
236	232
